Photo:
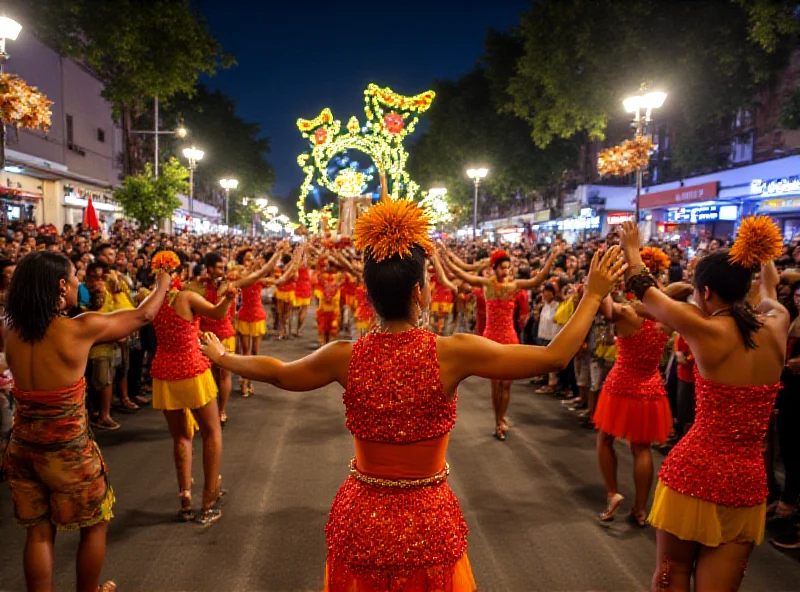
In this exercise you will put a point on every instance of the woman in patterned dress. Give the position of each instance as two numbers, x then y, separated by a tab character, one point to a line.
395	523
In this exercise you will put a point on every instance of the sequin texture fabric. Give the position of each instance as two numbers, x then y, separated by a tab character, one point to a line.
392	539
720	459
500	300
252	310
635	373
178	354
222	328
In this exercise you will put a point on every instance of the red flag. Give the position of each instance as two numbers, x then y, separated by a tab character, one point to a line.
90	216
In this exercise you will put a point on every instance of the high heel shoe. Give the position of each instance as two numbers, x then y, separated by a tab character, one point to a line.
614	503
639	518
210	512
244	387
500	433
186	514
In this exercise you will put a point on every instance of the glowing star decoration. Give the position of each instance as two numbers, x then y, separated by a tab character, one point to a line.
390	118
349	183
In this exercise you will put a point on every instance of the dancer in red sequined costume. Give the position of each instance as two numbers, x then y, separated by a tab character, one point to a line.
395	524
184	389
57	475
710	503
632	405
211	288
302	297
500	293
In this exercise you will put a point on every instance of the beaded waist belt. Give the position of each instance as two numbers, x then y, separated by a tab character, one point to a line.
436	479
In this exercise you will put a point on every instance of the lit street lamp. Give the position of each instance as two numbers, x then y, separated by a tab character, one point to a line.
272	211
193	155
476	175
641	106
227	185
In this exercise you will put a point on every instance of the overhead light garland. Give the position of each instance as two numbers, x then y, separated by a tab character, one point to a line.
437	205
390	118
625	158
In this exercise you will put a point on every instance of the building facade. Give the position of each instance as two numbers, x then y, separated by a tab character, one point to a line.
49	177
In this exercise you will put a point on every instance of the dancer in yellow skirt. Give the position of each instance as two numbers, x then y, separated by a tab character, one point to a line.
710	502
183	383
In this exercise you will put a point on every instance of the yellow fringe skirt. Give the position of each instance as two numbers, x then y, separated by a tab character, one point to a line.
256	329
710	524
189	393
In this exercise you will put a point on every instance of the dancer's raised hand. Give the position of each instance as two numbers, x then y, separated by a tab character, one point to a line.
605	271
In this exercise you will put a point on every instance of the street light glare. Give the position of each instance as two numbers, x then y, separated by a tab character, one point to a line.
437	191
181	132
477	173
193	153
652	100
261	202
229	183
9	28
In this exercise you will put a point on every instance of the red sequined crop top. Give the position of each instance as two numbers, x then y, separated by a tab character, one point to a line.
178	354
222	328
394	391
720	459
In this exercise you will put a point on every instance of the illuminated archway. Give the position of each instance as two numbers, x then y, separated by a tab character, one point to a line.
390	118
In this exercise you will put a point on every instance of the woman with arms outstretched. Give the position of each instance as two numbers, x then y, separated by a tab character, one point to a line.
400	403
500	291
57	475
710	502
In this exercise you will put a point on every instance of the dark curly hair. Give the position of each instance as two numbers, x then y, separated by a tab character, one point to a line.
32	298
240	255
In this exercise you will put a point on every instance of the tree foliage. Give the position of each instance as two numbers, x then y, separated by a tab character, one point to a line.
233	148
465	130
149	200
582	57
137	49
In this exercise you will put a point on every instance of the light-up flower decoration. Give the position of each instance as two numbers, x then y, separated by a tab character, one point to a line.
22	105
350	183
625	158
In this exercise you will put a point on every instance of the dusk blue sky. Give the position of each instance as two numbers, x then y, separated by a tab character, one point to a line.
297	57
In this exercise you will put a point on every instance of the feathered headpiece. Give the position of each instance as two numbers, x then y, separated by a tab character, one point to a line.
655	259
497	256
392	227
758	241
165	262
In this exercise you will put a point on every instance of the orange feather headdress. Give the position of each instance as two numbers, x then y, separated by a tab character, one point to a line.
392	227
165	262
655	259
758	241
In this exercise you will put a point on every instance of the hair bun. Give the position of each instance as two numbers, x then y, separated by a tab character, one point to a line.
758	241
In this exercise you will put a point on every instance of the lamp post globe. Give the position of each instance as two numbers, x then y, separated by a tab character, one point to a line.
476	175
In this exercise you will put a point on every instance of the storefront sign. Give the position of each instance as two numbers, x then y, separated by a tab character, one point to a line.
617	218
679	195
784	186
72	200
542	216
779	204
701	214
586	223
10	193
570	209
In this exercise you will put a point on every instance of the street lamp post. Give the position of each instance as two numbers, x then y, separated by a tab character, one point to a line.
476	175
641	106
193	155
227	185
180	132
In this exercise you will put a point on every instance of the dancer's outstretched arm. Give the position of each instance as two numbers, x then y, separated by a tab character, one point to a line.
543	274
326	365
107	327
465	355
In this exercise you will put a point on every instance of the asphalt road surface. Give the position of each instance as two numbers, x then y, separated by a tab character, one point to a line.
530	502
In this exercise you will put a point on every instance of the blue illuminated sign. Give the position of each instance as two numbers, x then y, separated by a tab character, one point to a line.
701	214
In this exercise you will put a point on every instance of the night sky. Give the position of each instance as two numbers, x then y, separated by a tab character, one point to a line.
296	57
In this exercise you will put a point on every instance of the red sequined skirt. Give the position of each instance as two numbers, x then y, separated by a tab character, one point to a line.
396	540
637	420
